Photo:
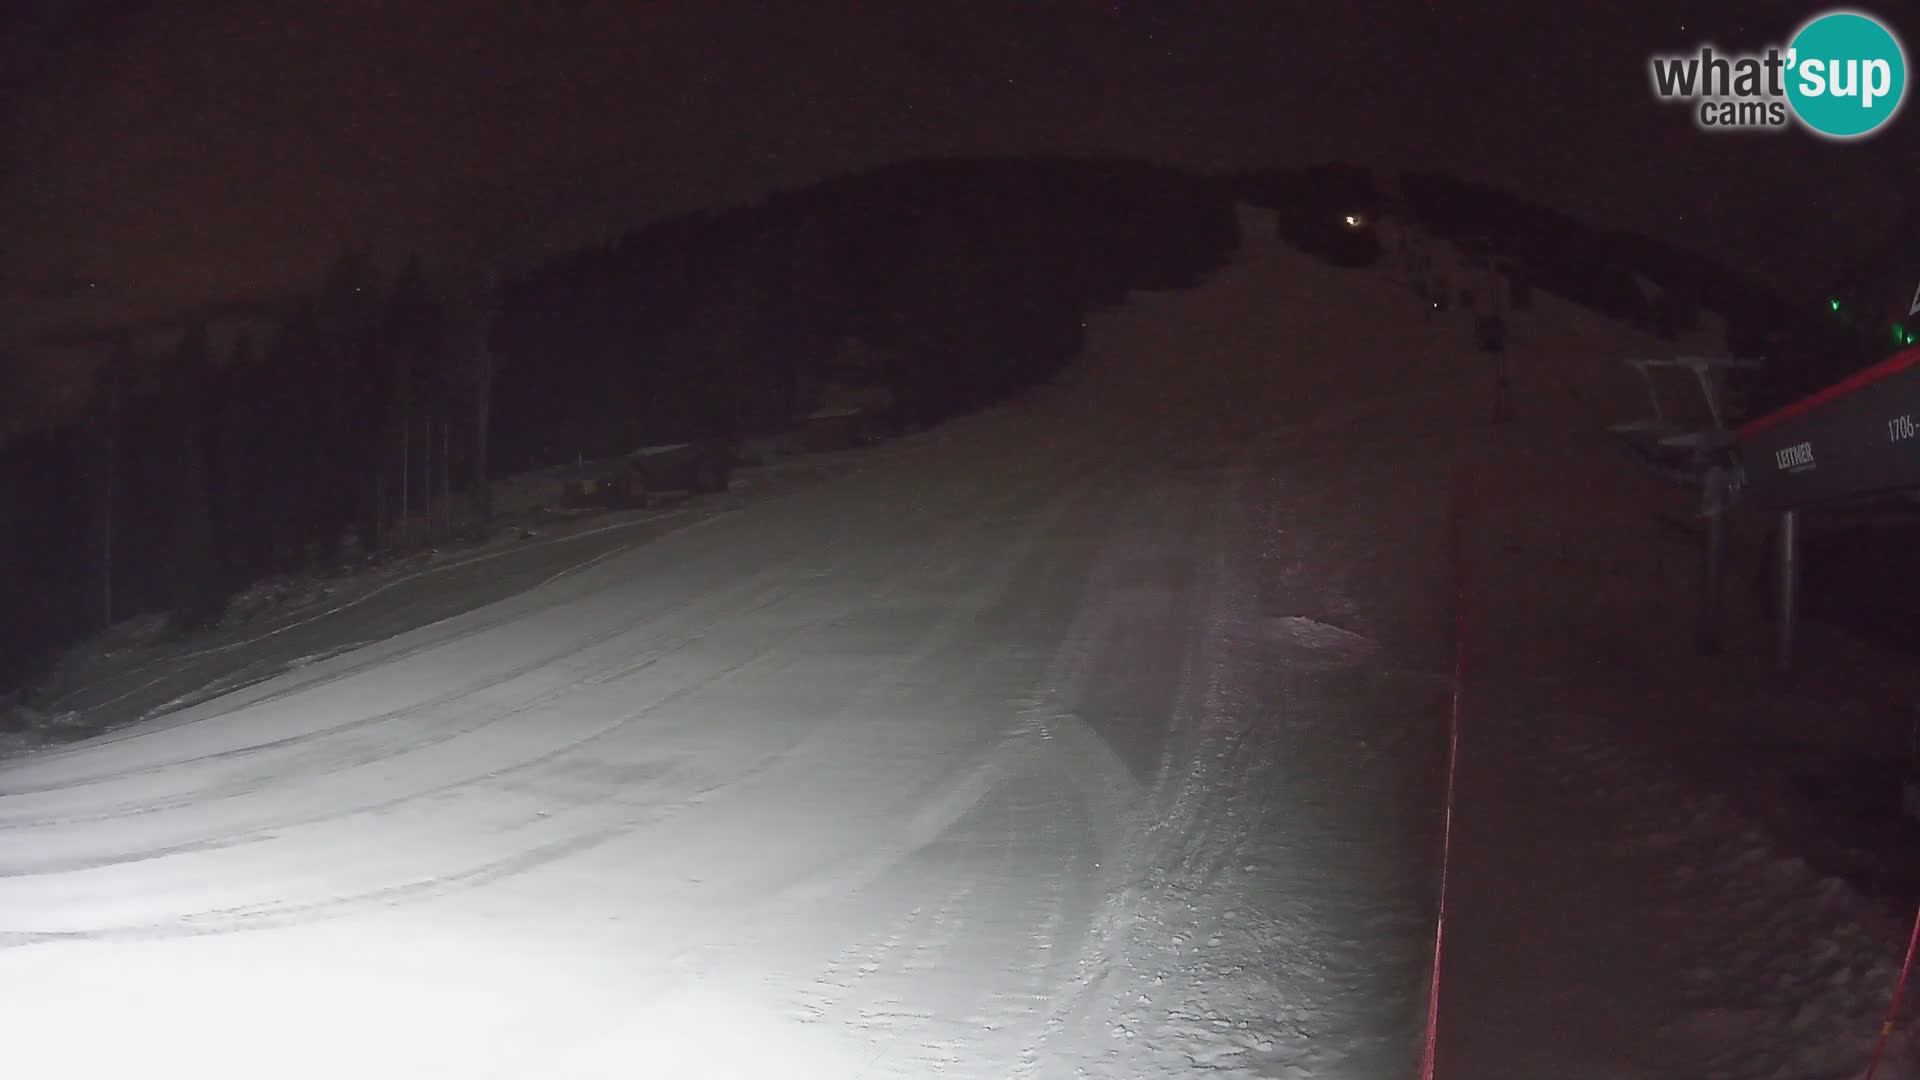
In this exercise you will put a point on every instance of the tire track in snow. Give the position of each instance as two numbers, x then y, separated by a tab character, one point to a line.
470	624
546	659
684	625
1078	1031
961	977
297	621
1255	940
823	997
1009	943
453	629
518	863
785	911
896	872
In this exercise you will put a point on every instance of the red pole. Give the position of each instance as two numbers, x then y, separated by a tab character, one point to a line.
1899	991
1429	1053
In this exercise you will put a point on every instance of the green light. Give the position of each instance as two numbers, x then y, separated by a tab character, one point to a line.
1833	302
1900	335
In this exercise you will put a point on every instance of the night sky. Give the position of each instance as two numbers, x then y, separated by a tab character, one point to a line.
176	153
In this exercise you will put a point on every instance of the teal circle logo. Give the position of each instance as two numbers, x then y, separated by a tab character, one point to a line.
1847	74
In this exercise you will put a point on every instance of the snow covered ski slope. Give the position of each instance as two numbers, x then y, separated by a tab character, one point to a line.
1100	734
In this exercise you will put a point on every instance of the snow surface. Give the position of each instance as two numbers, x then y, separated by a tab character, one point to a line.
1101	734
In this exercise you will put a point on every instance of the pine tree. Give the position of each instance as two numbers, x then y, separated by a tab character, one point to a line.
404	341
234	461
941	308
343	339
808	311
194	581
466	338
103	450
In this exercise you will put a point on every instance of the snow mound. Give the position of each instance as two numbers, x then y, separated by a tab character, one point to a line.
1311	637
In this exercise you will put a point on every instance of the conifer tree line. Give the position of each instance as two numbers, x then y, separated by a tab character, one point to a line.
375	413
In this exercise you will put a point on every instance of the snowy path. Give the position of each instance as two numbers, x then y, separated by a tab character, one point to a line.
974	763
